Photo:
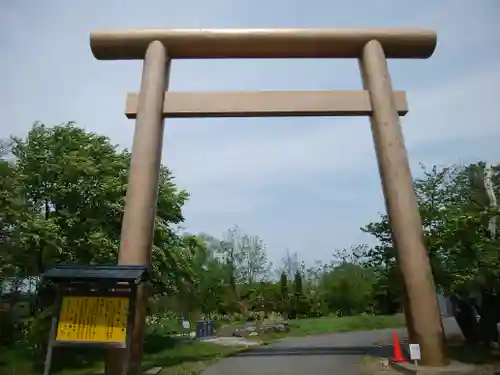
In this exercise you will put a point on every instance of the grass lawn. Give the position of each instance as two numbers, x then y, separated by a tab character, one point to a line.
331	324
311	326
177	357
182	356
188	357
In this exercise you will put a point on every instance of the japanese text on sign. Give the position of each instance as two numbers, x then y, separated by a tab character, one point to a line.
93	319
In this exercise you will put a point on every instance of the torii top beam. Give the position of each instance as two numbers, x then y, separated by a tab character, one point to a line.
261	43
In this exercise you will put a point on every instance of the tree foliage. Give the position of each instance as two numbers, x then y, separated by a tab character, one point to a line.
455	213
66	200
62	195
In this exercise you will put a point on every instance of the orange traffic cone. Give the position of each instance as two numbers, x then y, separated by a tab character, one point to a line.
397	353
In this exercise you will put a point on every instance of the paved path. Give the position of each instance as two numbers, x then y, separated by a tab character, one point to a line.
333	354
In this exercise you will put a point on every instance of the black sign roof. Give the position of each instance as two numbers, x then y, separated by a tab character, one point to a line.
116	273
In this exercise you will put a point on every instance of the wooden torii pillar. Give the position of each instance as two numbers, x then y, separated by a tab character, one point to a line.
371	47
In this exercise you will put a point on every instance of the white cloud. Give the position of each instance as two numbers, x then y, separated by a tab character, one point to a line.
322	144
464	108
458	105
238	170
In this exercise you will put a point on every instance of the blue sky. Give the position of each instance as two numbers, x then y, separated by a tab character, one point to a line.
303	184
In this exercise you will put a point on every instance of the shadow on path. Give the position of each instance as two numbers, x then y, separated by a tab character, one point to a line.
378	351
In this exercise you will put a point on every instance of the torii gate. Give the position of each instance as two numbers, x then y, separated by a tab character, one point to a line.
158	47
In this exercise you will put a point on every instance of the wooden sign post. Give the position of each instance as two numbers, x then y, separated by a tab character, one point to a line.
95	306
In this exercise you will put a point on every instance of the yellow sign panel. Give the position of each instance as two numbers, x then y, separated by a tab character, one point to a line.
93	319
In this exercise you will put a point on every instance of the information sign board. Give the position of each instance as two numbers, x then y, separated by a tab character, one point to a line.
93	319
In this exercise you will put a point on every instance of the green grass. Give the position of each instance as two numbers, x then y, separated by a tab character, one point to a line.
177	357
332	324
182	356
188	358
311	326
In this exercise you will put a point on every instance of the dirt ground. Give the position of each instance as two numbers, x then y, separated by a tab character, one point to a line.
379	366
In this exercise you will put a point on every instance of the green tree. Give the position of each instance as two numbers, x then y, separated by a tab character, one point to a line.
298	300
464	258
347	288
253	259
284	293
62	198
67	199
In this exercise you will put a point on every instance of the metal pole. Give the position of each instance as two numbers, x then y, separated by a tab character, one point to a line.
140	203
402	208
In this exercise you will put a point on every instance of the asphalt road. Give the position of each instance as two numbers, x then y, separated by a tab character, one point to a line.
333	353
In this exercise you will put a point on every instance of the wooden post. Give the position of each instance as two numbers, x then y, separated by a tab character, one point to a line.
140	203
402	208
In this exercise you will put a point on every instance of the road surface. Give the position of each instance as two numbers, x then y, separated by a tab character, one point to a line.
333	353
